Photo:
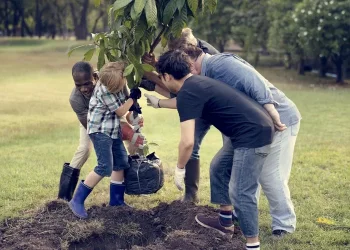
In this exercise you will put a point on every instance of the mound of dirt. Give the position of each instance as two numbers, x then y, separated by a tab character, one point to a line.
167	226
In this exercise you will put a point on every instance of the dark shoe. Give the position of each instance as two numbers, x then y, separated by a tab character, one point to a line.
147	85
68	182
117	195
279	233
192	181
215	224
77	203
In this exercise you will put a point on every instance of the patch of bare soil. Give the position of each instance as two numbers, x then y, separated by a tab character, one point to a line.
167	226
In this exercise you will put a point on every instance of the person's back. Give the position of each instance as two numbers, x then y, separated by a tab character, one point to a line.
239	74
233	113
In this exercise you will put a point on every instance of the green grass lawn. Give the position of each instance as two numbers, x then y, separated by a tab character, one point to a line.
39	131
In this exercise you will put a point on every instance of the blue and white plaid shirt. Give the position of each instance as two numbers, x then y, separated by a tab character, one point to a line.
102	116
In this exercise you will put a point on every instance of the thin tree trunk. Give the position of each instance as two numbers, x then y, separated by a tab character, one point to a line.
80	27
7	22
323	66
301	69
338	61
38	23
256	59
96	21
287	60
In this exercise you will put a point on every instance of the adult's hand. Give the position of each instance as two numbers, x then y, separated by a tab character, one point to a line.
179	178
149	58
152	101
147	85
270	108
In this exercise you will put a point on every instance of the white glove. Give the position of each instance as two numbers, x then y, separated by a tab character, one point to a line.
180	178
152	101
137	122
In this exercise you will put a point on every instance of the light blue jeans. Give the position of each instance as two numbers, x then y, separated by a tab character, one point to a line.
236	172
275	176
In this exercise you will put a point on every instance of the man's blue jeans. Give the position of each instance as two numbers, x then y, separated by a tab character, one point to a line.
238	170
111	154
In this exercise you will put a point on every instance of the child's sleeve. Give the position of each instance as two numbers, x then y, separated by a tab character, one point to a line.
111	101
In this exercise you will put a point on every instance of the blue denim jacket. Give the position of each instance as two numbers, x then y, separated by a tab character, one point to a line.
239	74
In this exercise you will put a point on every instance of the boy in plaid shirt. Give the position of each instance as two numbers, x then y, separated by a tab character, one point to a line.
107	105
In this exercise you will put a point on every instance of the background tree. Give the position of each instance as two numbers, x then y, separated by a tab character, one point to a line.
324	30
282	32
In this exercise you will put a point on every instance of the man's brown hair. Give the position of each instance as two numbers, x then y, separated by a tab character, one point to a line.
111	75
192	51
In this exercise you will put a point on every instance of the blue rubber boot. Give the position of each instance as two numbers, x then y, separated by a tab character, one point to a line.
77	203
117	195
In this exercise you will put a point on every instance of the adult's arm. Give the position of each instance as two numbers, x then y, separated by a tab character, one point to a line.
186	142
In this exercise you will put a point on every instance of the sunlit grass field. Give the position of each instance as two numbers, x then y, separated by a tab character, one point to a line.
39	132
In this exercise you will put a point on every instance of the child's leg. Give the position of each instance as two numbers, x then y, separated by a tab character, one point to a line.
103	148
120	162
92	179
118	176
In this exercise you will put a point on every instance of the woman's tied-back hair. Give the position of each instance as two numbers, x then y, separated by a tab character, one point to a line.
111	75
83	67
186	37
175	63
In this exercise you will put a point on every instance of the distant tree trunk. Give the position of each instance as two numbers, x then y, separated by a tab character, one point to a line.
7	22
256	59
301	64
338	61
105	22
323	66
80	24
15	20
96	21
38	22
287	60
222	46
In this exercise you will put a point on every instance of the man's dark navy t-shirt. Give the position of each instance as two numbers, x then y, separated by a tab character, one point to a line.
236	115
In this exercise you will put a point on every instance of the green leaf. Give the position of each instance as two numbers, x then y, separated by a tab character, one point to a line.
138	7
101	56
147	67
88	54
178	24
131	81
193	5
128	70
118	4
78	47
151	12
140	28
180	4
164	41
169	11
211	4
184	14
97	3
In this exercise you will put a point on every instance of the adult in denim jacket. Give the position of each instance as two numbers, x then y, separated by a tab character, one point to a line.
239	74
